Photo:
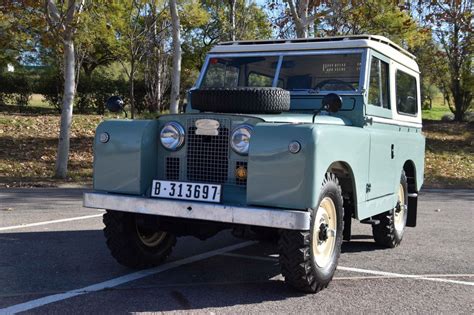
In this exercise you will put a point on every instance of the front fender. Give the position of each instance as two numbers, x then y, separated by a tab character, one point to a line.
277	177
127	162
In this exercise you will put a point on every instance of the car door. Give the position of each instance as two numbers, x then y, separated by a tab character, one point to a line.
381	130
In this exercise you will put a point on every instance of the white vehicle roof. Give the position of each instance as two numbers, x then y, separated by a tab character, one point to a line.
379	43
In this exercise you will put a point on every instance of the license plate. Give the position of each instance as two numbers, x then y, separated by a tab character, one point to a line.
186	191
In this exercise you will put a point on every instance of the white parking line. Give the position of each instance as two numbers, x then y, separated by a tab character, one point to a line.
21	226
399	275
251	257
119	281
380	274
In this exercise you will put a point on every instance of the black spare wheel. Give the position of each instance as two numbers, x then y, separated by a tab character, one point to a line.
241	100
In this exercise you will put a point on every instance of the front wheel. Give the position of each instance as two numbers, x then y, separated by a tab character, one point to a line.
308	259
133	245
389	231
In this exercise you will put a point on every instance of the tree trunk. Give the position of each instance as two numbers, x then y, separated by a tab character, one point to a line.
176	72
299	14
301	30
66	112
132	90
458	105
232	19
159	78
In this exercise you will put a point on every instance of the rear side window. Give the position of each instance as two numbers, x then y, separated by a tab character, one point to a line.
406	93
378	88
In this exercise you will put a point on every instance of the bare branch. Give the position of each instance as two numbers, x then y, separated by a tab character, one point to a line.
293	11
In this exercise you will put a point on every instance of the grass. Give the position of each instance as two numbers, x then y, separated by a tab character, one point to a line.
436	112
28	144
438	109
37	100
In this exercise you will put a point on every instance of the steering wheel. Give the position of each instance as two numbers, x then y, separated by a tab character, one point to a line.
333	81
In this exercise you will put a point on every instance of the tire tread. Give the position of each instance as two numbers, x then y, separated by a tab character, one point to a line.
295	257
123	247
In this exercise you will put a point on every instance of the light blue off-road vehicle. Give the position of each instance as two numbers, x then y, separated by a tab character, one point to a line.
282	139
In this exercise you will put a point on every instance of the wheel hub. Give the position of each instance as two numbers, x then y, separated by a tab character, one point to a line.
324	232
400	209
150	238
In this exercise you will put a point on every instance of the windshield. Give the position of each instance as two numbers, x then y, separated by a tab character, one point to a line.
317	72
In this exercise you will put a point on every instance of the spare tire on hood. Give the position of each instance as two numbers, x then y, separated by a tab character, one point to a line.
243	100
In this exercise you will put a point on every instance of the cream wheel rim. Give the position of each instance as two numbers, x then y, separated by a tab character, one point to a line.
400	209
324	232
150	239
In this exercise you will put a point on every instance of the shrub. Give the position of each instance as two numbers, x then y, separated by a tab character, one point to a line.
50	85
15	88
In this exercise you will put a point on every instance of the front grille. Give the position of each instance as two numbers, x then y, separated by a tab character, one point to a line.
208	156
172	168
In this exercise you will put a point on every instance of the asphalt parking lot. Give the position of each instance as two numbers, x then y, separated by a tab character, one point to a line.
53	259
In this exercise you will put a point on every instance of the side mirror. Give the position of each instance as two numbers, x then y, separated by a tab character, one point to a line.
114	104
332	102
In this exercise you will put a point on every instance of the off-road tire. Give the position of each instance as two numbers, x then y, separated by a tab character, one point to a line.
244	100
385	233
297	261
125	245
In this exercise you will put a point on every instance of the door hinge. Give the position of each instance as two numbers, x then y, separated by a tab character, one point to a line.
368	187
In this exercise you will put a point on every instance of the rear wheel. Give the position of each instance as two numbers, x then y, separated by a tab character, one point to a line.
389	231
308	259
133	245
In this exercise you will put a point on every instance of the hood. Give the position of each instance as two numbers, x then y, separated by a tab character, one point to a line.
307	118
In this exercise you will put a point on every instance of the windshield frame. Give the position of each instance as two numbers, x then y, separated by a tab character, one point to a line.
281	54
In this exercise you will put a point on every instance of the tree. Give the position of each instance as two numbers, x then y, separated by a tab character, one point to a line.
303	15
204	28
452	22
96	42
156	61
131	23
20	31
176	72
232	4
63	21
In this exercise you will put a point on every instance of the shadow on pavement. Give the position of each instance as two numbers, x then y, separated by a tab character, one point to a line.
39	263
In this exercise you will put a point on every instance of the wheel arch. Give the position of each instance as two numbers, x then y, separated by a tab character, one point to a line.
410	172
345	176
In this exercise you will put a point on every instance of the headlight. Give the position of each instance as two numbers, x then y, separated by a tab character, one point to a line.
172	136
241	139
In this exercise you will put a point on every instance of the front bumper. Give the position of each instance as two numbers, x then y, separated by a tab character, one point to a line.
258	216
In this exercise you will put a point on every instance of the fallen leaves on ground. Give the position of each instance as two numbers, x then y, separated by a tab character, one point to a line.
449	160
28	145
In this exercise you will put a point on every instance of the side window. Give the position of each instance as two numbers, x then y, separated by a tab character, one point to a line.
378	85
406	94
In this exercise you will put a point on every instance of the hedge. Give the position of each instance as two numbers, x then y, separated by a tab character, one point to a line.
92	92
